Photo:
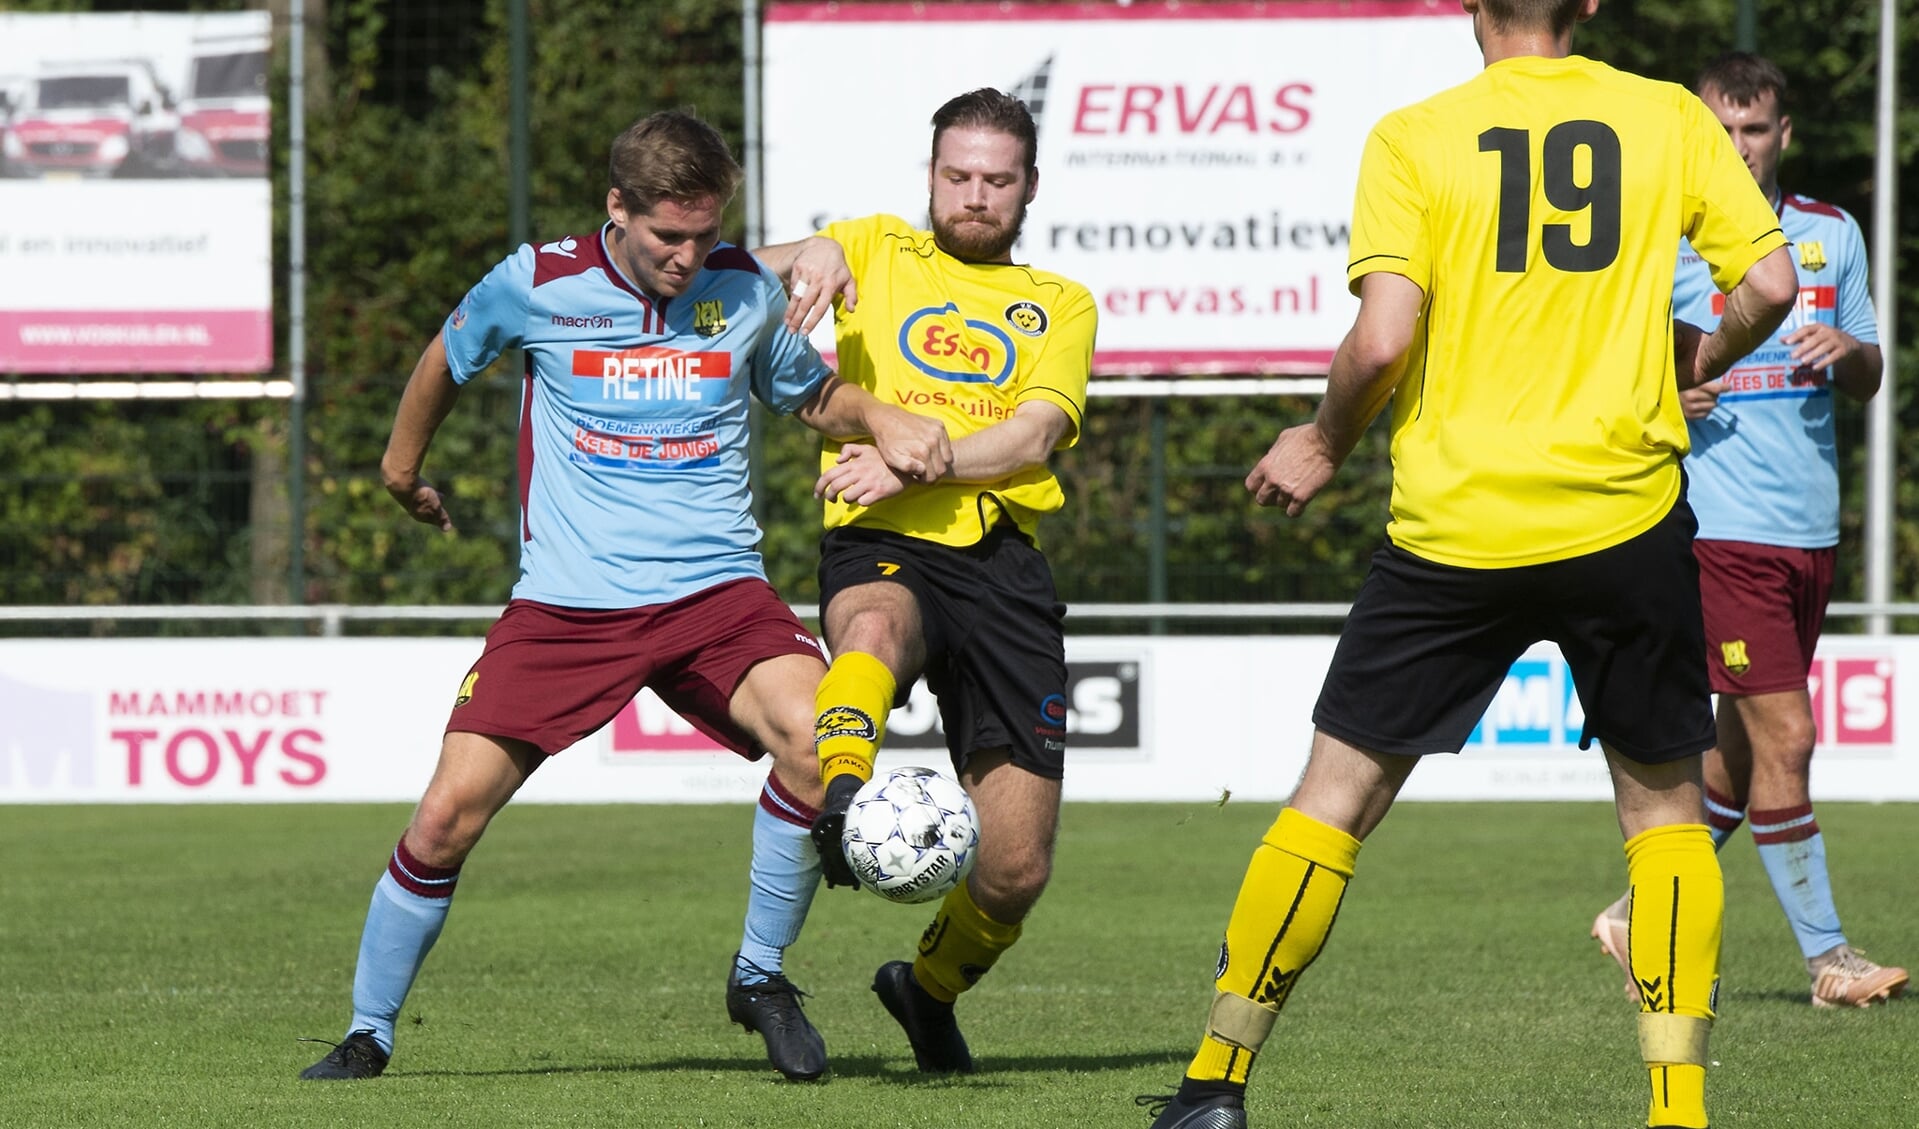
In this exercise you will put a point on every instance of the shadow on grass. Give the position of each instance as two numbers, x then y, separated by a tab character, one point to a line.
1799	998
895	1070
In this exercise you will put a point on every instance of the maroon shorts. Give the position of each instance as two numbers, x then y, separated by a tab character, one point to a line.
550	675
1765	606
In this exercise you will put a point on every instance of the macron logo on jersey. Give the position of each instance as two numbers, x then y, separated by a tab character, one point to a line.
651	372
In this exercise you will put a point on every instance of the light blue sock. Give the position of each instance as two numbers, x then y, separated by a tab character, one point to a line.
1794	855
784	877
400	929
1723	817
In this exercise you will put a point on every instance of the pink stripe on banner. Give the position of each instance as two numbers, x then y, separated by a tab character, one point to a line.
1198	362
120	341
804	11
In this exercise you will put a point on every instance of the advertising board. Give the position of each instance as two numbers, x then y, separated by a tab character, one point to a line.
1197	162
135	211
1151	718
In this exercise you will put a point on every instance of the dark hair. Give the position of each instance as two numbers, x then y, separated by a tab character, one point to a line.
1514	15
1742	78
986	108
671	155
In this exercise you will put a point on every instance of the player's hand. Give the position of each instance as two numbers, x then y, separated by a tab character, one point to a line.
914	445
819	273
1699	402
830	827
1819	346
860	477
422	501
1299	464
1686	338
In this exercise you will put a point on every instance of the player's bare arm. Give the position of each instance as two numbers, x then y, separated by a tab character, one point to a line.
1753	310
1364	371
1856	366
430	394
914	445
814	270
1694	402
859	476
1020	442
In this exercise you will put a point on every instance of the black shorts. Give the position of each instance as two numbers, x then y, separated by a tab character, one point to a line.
995	635
1428	645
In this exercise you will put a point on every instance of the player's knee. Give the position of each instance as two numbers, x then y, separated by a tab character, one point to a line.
1798	738
1012	884
444	831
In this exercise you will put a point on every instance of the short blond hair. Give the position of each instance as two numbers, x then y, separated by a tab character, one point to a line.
671	155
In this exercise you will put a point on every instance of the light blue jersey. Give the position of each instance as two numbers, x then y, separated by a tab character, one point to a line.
1764	466
633	418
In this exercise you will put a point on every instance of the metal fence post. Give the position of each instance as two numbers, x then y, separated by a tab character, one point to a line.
1156	520
296	301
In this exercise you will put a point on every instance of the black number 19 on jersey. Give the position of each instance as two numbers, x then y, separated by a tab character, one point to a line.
1600	195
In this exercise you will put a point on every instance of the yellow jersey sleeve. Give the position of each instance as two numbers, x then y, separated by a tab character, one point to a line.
1724	205
1389	230
966	344
856	239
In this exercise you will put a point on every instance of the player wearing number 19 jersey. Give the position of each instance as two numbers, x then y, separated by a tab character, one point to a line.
1511	250
1538	419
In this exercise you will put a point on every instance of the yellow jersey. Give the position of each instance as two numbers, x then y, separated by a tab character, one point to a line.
966	344
1537	207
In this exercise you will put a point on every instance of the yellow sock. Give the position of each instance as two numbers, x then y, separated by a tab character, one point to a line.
1677	911
959	946
853	701
1285	909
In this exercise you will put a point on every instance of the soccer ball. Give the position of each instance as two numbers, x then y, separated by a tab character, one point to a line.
910	835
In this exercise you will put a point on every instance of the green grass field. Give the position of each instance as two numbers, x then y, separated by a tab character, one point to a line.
158	966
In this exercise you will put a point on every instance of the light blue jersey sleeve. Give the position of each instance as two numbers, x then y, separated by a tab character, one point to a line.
491	318
1693	290
1855	314
787	370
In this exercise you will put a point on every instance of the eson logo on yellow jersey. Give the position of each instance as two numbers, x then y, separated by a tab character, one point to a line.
945	345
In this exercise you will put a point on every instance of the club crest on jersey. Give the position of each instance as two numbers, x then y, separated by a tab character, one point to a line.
945	345
466	689
1734	653
1027	318
459	315
709	318
1812	254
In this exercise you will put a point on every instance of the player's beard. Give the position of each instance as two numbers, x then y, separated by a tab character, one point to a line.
973	240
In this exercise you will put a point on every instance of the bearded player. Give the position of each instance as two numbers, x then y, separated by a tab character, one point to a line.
946	579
